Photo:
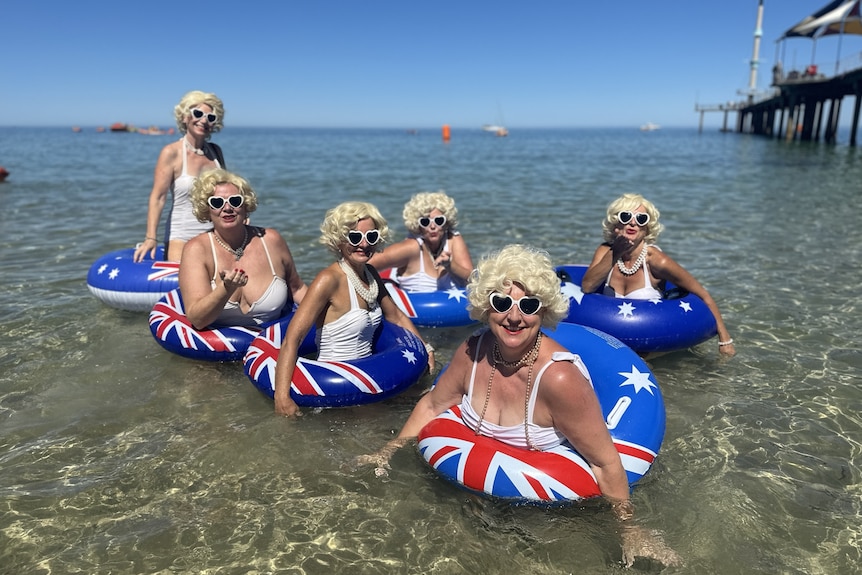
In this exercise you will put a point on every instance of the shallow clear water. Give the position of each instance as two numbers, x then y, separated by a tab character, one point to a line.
118	457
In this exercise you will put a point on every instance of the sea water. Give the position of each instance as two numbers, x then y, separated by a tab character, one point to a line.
119	457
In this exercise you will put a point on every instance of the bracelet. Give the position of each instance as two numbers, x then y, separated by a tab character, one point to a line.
429	348
723	343
149	238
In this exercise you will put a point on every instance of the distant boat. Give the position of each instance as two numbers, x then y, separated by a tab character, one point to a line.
650	127
119	127
154	131
498	131
3	173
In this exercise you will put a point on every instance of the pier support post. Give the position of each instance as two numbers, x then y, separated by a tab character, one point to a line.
855	126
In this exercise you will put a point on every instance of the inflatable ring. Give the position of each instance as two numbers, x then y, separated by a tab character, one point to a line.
634	413
398	361
174	332
678	321
430	309
120	282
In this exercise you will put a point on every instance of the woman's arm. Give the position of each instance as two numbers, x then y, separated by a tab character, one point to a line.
163	176
450	387
600	267
458	261
316	298
568	401
398	255
202	303
663	267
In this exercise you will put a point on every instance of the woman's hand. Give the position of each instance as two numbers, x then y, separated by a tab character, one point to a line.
640	542
148	245
233	280
443	260
380	460
622	247
431	357
286	407
727	349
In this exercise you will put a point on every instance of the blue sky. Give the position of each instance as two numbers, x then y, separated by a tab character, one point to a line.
405	64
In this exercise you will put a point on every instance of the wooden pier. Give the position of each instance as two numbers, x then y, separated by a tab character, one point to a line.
802	106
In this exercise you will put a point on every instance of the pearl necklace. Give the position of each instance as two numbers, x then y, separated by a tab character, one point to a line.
190	147
369	294
529	359
638	263
236	252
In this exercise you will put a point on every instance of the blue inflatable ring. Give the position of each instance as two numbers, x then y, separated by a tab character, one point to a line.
118	281
398	361
430	309
631	403
174	332
679	321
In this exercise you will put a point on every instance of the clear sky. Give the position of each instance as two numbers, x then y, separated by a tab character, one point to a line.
392	63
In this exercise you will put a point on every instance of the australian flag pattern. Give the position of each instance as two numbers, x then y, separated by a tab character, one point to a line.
634	414
398	362
172	329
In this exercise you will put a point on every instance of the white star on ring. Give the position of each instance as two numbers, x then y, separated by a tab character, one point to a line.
626	309
638	380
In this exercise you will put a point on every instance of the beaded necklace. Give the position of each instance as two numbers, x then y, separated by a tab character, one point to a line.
191	147
529	359
638	263
236	252
370	293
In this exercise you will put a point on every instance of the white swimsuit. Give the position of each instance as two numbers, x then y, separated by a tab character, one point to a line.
422	281
182	223
351	335
647	292
541	438
268	307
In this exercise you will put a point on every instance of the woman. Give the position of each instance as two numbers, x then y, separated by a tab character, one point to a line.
346	301
435	256
198	116
235	274
521	387
629	264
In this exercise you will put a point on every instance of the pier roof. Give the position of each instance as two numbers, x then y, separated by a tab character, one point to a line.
837	17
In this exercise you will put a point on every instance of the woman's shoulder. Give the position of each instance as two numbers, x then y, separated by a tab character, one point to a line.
269	234
171	151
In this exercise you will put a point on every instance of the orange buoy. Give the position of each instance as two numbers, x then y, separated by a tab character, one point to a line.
446	133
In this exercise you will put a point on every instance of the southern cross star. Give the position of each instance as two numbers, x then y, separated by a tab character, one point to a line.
456	294
626	309
638	380
572	291
409	355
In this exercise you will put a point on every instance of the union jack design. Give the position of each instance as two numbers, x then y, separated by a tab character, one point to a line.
163	270
402	300
489	466
262	355
171	327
